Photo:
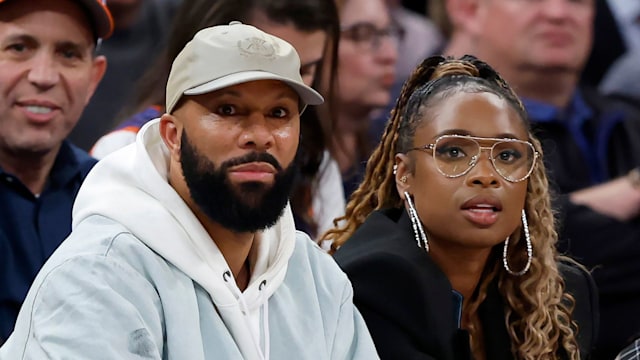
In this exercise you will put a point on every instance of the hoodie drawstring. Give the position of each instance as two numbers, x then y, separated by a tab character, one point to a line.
263	353
265	318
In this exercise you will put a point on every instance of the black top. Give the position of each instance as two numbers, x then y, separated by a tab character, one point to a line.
407	301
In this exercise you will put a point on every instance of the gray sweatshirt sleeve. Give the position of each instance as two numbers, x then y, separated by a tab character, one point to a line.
352	339
88	307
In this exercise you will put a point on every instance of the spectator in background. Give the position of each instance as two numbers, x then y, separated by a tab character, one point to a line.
446	15
420	39
48	72
312	27
591	143
185	240
141	29
367	56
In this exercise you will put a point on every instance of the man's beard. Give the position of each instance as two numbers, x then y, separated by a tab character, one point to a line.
247	207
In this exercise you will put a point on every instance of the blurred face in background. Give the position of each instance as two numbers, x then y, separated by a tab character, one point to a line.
47	73
367	54
534	34
310	45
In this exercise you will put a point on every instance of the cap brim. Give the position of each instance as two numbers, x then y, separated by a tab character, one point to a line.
101	17
307	95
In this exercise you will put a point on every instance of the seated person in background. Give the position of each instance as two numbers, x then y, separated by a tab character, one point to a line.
48	73
312	27
420	39
185	239
449	241
367	58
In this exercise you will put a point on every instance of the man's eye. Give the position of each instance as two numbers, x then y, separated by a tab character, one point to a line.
227	110
279	113
70	54
17	47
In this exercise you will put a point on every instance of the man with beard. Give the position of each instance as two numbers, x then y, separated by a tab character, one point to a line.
184	245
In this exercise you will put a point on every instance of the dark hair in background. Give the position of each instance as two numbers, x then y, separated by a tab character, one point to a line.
527	311
305	15
437	12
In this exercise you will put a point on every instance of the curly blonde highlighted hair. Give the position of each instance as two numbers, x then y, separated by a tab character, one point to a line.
538	311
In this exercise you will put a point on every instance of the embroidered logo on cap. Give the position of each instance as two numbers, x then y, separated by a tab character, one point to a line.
255	46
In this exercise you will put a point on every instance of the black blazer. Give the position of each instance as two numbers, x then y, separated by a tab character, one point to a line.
407	301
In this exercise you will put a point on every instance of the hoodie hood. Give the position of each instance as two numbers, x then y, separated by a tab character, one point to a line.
130	186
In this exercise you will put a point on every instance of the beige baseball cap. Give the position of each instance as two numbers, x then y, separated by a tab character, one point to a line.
227	55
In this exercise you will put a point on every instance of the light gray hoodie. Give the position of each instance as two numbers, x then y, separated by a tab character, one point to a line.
139	277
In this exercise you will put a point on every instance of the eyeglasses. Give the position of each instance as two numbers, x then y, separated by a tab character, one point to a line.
456	155
367	34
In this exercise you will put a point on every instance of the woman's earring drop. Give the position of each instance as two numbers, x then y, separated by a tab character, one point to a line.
418	230
527	237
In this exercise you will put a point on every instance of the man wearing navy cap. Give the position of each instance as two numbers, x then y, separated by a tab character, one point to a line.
48	72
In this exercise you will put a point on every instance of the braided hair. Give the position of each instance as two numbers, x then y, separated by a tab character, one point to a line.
538	311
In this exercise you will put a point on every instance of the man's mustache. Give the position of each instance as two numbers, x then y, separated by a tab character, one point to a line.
252	157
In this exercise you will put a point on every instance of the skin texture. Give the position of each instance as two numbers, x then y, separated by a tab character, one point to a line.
548	34
46	60
455	241
365	75
309	45
258	116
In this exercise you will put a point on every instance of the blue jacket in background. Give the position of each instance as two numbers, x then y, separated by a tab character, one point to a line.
594	140
32	227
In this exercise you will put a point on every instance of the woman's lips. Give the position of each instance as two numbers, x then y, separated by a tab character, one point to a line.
480	216
482	210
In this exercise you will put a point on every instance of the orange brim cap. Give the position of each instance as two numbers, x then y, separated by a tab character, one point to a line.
100	16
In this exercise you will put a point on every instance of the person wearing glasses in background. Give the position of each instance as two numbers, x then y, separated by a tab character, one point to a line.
367	56
449	241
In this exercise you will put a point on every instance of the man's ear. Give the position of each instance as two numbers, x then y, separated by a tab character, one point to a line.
402	170
171	133
98	69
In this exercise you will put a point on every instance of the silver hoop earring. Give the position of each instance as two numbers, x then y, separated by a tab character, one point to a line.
418	230
527	237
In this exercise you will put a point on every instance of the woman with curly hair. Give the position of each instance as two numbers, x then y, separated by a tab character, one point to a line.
450	242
